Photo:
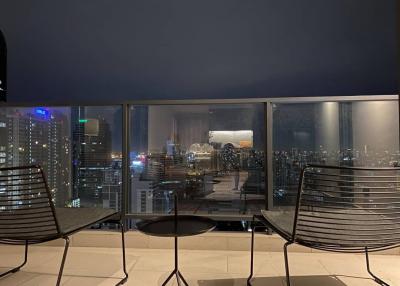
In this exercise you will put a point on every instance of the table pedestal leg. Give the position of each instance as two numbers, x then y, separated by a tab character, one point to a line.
176	272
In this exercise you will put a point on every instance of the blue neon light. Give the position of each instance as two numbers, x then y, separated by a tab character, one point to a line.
42	112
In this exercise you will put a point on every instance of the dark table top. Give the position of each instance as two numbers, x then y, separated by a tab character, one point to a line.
185	225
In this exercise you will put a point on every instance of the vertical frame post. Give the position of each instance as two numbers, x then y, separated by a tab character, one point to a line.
398	111
125	159
269	179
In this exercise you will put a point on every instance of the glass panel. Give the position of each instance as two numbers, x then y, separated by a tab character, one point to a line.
361	133
39	136
79	149
214	153
97	156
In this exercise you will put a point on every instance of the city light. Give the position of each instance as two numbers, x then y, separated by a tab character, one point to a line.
42	112
137	163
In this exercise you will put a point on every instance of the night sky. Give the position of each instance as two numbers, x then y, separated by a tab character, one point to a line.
116	50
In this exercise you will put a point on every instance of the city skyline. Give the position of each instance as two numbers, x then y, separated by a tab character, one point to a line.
220	161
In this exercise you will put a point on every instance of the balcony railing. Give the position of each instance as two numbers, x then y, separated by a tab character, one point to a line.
232	157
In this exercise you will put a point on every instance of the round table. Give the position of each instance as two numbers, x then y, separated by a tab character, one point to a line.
176	226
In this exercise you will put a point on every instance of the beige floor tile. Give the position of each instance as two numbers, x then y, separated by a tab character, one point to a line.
82	261
299	264
343	264
106	239
134	240
205	262
386	267
150	278
17	278
323	280
228	279
57	242
244	244
195	261
317	280
160	242
45	262
90	281
239	262
203	243
150	267
357	281
37	256
44	280
161	261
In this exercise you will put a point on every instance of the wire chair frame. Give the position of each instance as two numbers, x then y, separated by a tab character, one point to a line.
342	209
27	212
28	215
347	209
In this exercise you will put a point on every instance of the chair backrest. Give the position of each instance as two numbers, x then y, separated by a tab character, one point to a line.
26	209
348	209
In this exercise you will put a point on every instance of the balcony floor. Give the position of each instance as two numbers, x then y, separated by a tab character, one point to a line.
148	267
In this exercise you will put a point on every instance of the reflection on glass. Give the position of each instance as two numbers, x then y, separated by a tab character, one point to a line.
216	152
79	149
332	133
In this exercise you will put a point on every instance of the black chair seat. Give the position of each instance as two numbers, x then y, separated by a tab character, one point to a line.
280	221
71	220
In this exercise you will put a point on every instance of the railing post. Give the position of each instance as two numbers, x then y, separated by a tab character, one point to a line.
125	159
269	177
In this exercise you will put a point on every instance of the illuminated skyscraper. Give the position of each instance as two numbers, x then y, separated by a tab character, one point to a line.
3	140
91	158
112	190
38	137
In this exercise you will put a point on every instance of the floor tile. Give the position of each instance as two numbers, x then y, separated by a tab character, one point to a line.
150	267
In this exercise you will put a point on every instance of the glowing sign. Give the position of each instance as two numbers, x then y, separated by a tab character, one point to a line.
42	112
83	120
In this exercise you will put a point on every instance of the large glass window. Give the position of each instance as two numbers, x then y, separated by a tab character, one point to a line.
39	136
212	155
97	157
359	133
79	149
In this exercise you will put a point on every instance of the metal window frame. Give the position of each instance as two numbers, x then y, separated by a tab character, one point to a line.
268	127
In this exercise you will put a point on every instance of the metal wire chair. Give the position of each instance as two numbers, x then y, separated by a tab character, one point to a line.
341	209
28	215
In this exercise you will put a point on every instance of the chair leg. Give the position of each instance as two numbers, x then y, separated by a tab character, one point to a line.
16	269
60	273
123	280
251	254
287	262
376	279
123	257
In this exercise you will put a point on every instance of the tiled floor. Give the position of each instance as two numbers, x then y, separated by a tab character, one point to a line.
94	266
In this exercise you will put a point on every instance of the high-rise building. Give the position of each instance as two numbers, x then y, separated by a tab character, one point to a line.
112	186
38	137
3	140
91	158
143	193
